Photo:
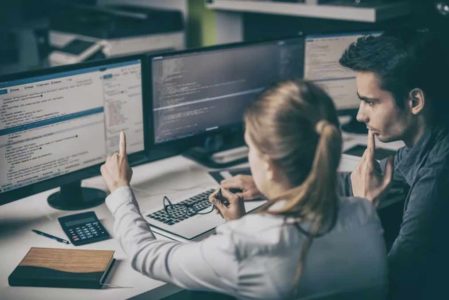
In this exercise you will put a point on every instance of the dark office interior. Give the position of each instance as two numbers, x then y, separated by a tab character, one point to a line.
28	41
25	24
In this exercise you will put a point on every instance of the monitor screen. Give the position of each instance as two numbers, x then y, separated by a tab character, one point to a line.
202	91
321	56
68	119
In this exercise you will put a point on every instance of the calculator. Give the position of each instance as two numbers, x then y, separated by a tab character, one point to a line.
83	228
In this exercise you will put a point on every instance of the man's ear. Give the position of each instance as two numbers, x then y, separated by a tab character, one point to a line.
416	101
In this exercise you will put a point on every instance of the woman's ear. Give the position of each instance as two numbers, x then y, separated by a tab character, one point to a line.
269	167
416	101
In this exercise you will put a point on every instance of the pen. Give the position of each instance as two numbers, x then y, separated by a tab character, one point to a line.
221	198
51	236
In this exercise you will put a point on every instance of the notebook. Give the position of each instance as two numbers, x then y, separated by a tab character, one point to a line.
55	267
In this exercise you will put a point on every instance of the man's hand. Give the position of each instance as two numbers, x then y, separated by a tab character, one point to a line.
116	171
367	179
234	209
245	183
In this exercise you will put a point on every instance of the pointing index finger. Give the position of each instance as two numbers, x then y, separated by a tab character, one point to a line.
371	146
122	146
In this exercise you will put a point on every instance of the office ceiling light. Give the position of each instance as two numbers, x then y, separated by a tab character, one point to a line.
442	7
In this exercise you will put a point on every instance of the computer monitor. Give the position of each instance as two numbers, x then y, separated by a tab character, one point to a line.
321	56
321	65
199	96
58	125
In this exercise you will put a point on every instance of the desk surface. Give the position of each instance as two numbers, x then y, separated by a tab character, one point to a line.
174	177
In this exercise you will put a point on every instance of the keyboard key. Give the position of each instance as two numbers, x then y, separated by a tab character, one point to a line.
184	209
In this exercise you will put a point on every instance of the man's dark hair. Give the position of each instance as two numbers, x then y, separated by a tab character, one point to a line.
403	60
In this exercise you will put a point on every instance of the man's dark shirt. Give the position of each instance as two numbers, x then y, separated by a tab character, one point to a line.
419	256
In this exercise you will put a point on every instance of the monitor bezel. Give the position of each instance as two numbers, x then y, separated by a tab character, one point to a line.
335	33
174	147
94	170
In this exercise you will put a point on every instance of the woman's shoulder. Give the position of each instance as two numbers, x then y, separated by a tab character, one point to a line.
354	211
253	223
351	210
259	229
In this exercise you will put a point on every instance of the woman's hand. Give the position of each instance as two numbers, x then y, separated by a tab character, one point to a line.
232	209
245	183
116	171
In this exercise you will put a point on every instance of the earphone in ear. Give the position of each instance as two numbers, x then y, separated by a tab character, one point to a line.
414	97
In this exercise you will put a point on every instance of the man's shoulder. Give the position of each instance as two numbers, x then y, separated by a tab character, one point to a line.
438	154
431	155
442	141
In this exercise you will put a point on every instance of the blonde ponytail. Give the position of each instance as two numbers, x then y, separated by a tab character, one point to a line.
316	201
295	124
312	198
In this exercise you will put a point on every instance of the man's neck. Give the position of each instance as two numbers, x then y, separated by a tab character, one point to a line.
416	133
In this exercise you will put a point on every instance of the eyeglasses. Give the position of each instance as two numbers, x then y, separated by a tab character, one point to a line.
197	205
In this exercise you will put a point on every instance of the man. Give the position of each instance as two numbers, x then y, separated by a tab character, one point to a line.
401	83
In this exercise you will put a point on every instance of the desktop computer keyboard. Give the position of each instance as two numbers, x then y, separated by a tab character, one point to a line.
183	210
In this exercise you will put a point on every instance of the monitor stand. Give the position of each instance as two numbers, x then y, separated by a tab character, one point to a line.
220	159
74	197
354	126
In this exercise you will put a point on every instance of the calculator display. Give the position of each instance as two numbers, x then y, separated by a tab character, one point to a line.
78	222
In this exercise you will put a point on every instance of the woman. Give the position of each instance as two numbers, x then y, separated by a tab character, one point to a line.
306	242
